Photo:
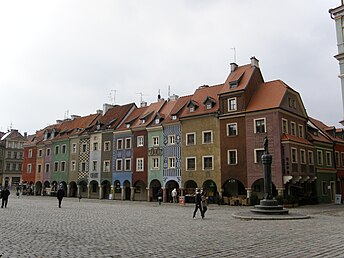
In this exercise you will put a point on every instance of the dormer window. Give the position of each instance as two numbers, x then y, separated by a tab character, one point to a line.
127	125
192	109
157	121
209	105
232	104
174	117
233	85
143	121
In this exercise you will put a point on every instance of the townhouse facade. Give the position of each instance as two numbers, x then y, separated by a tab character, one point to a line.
211	139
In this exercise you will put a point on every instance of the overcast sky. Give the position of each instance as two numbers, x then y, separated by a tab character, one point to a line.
66	57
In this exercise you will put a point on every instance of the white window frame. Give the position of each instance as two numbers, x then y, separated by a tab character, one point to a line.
128	140
107	146
119	164
211	137
73	165
29	168
171	162
284	124
40	153
57	149
125	164
303	159
95	146
107	168
293	128
84	147
186	163
29	155
255	125
155	140
172	139
48	152
236	129
235	104
138	162
56	166
74	147
209	105
310	158
328	158
83	167
94	165
301	134
140	141
63	166
256	156
236	156
212	162
320	158
187	139
47	168
63	148
155	163
119	144
39	168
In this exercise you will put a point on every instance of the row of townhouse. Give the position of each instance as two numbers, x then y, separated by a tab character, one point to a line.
211	139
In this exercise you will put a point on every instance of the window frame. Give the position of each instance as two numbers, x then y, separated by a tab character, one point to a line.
285	126
138	161
211	137
187	168
187	139
255	125
203	162
255	153
230	104
228	129
293	157
140	141
229	157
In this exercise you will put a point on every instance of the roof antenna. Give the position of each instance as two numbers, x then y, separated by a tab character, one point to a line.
159	96
112	96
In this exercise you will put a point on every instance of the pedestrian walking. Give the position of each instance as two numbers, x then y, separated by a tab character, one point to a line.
204	202
198	204
4	195
159	196
60	194
174	195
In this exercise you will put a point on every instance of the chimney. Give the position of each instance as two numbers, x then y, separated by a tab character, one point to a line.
233	67
106	107
254	62
99	111
143	104
174	97
25	134
59	121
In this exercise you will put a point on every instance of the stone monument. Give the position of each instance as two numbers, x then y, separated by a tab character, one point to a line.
268	205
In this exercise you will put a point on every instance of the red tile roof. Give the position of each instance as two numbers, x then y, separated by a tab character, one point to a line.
325	129
293	138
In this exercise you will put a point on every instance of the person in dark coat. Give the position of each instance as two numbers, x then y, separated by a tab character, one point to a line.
60	194
159	196
198	204
4	195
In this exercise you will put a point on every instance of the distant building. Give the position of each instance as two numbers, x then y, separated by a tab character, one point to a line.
338	15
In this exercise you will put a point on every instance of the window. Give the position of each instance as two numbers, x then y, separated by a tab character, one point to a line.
171	162
157	121
64	148
127	143
48	152
310	158
57	149
232	157
127	164
328	158
292	128
73	165
140	141
63	166
320	157
119	144
293	155
337	159
19	167
84	147
191	109
74	146
94	165
119	165
107	146
209	105
324	188
155	141
39	168
29	154
207	162
15	155
303	156
191	163
174	117
56	166
171	139
207	137
155	163
28	168
232	129
258	153
301	131
40	153
259	125
95	146
83	167
21	155
232	104
47	168
106	166
190	138
284	126
139	164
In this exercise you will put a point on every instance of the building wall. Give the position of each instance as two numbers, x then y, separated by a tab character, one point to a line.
155	151
60	175
95	156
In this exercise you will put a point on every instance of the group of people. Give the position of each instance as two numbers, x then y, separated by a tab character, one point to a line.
201	203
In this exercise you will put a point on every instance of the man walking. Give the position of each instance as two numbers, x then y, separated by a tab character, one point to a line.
198	204
4	195
174	195
60	195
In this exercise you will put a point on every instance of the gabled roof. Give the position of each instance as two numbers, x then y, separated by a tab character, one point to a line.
241	76
13	134
325	130
176	109
293	138
199	97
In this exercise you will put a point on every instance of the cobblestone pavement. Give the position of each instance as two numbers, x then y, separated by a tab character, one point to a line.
36	227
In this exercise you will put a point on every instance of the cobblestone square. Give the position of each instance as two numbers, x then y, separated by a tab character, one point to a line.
36	227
